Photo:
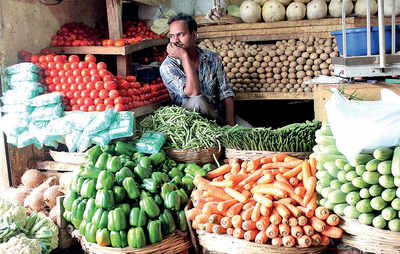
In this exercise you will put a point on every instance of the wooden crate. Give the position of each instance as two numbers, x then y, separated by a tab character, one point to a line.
65	239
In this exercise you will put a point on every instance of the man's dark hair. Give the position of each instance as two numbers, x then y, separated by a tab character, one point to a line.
189	20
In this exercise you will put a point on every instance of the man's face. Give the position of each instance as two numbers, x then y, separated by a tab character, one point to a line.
179	34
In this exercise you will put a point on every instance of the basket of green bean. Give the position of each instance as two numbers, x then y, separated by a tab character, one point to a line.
201	156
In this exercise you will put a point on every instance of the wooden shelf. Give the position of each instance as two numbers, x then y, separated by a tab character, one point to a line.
280	30
148	109
99	50
273	96
146	2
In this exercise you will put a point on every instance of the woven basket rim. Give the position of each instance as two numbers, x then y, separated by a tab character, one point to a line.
195	150
68	157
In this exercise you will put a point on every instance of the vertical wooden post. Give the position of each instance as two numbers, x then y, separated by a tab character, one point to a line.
114	16
5	178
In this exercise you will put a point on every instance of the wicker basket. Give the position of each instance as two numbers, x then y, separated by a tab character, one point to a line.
173	244
198	156
225	20
370	239
251	155
66	157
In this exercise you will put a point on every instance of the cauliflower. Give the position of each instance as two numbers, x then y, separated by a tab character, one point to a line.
20	244
10	212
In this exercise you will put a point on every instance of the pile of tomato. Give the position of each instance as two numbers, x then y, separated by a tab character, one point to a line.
79	34
88	86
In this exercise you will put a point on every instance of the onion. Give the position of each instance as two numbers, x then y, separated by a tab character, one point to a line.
17	194
35	201
55	215
51	194
32	178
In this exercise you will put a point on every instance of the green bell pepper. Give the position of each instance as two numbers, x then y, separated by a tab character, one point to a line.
177	180
77	183
122	174
131	188
154	230
90	232
69	199
67	215
126	208
136	156
160	177
136	238
88	189
93	154
145	162
124	148
123	159
182	222
173	201
144	194
118	239
181	166
142	172
159	201
187	180
82	227
137	217
78	209
108	148
103	237
116	220
167	165
100	218
105	199
209	167
183	195
119	194
150	185
167	188
105	181
130	164
158	158
167	222
89	210
114	164
101	162
193	169
175	172
90	171
150	207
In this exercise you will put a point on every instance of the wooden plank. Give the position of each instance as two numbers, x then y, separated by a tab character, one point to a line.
20	160
148	109
146	2
114	17
269	37
365	91
145	44
273	96
123	66
5	175
56	166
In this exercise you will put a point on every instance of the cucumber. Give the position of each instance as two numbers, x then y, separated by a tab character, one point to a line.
397	181
316	149
325	130
396	162
394	225
386	181
366	218
360	169
383	154
371	177
328	204
332	149
324	157
319	187
372	165
341	176
377	203
326	178
359	183
379	222
348	167
385	167
326	191
364	206
339	209
335	184
389	213
395	204
325	140
398	192
388	195
364	193
351	212
330	166
361	159
337	197
348	187
322	201
340	163
352	198
375	190
351	175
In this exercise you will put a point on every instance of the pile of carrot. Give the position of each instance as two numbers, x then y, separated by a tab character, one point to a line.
269	200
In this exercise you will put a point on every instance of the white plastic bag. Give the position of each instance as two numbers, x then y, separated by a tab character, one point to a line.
364	125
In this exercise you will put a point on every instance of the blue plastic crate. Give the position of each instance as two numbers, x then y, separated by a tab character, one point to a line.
356	39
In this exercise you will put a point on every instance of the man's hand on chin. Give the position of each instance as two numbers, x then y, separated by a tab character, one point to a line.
175	51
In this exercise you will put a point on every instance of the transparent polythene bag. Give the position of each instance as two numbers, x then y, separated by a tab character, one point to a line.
150	142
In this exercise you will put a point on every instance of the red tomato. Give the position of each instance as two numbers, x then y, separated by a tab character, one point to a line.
67	66
83	108
98	101
77	94
95	78
88	101
101	66
110	85
103	73
85	93
99	85
42	59
81	86
78	80
52	88
35	59
103	94
70	94
131	78
87	79
93	72
92	66
108	78
57	58
82	65
73	87
91	108
73	59
125	84
90	58
58	87
123	92
74	66
108	101
85	72
75	107
100	107
59	66
90	86
76	73
119	107
94	94
79	101
64	87
113	94
118	100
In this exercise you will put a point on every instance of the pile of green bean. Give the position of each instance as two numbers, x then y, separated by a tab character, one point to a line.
184	129
297	137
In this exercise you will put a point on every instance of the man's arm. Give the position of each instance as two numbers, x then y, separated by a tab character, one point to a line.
229	111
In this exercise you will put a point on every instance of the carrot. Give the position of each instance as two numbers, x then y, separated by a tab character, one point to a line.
208	227
325	240
265	211
293	181
253	164
210	208
283	170
308	230
226	222
253	177
198	181
277	241
201	219
215	219
192	213
218	229
302	221
232	161
210	190
311	206
246	214
265	160
286	201
236	195
272	231
279	157
261	238
267	178
306	170
250	235
262	223
234	210
248	225
250	204
333	232
211	199
304	241
316	239
292	222
296	231
255	215
199	204
248	186
223	184
293	172
246	193
269	189
219	171
217	179
196	225
285	221
288	241
284	230
244	166
310	184
229	231
300	190
317	224
263	200
313	166
333	220
300	175
284	186
282	210
224	206
288	164
322	213
235	168
237	221
280	178
238	233
236	178
275	218
291	158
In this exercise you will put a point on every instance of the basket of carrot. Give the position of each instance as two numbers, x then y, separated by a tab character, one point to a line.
266	203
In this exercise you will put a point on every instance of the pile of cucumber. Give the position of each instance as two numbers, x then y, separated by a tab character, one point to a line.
366	188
